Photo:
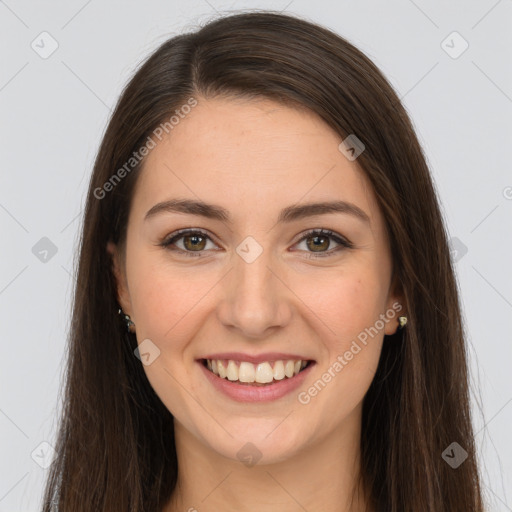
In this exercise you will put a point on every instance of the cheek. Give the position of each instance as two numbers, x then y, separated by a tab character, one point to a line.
161	297
348	312
166	304
349	308
347	303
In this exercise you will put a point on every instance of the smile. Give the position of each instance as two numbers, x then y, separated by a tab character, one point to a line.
262	381
263	373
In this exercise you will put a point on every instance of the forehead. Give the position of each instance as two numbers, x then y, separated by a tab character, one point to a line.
249	153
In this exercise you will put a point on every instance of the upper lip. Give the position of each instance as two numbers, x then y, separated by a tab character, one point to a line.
259	358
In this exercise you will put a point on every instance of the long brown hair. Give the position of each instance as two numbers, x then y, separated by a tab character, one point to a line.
115	445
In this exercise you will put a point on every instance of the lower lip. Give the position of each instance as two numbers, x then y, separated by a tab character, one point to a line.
248	393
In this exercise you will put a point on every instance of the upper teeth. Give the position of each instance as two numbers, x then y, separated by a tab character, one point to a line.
249	372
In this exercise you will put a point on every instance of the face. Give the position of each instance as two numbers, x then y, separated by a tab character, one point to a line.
256	286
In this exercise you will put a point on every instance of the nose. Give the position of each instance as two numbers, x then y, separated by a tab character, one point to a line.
255	299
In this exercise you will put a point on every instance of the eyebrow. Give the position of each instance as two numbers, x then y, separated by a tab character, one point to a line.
288	214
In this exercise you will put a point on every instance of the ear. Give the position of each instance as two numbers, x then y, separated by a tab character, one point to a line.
395	307
118	269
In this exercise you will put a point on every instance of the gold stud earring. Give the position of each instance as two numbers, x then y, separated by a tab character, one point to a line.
402	321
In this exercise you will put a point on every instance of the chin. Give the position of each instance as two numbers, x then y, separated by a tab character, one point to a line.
256	443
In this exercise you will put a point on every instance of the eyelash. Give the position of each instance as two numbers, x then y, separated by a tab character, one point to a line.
314	232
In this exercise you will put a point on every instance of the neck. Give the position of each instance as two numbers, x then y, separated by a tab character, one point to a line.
320	477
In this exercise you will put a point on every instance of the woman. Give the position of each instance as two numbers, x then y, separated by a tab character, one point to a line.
266	315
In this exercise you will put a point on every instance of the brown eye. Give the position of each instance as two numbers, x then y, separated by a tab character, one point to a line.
318	241
193	242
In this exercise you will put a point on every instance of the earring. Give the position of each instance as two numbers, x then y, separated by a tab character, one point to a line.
402	321
130	326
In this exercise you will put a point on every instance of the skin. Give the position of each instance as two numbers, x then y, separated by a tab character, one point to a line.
255	157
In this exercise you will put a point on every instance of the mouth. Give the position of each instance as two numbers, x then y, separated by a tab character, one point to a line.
265	373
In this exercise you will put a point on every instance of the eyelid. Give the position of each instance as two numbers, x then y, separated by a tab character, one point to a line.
343	242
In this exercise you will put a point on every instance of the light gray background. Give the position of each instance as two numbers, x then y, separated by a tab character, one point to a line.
54	111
